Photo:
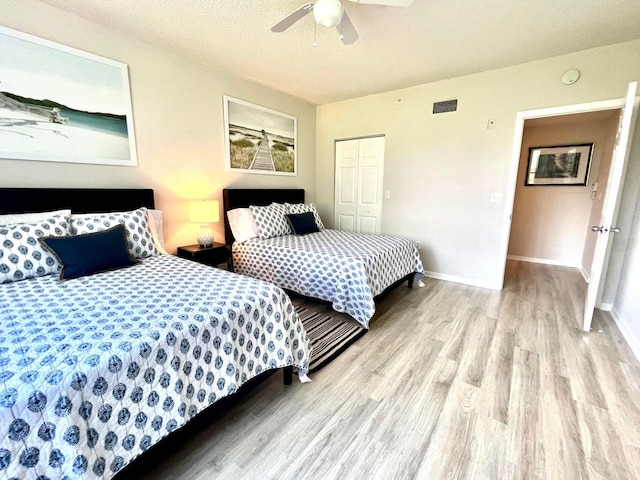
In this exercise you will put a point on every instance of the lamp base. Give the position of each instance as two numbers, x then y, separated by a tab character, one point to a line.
205	237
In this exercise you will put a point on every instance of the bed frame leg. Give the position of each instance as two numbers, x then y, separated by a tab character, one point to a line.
410	282
287	375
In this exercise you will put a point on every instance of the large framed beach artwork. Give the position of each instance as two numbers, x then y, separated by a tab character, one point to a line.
258	139
59	104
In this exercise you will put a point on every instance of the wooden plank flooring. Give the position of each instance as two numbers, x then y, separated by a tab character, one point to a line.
451	382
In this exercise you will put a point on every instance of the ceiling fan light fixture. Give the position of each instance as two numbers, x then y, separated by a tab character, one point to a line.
331	13
328	13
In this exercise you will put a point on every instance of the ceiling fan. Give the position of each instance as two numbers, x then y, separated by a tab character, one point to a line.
331	13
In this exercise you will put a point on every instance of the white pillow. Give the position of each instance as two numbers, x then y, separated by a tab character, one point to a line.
156	225
242	224
22	256
271	220
31	217
136	224
304	208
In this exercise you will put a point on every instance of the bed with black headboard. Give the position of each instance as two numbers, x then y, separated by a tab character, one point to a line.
95	370
349	270
244	197
79	200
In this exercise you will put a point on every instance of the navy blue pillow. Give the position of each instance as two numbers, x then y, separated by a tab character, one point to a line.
81	255
302	223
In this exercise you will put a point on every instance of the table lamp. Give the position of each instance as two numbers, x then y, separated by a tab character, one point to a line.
204	212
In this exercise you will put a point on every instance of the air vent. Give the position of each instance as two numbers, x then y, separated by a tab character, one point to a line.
445	106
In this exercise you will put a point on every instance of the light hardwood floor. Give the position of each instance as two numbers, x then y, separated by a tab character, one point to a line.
451	382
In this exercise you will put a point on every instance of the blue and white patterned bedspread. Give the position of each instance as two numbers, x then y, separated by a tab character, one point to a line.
94	371
345	268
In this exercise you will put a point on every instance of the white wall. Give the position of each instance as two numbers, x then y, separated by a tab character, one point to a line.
626	308
441	169
623	274
550	223
177	110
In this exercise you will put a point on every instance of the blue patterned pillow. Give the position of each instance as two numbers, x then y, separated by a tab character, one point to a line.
270	220
136	224
22	256
82	255
304	208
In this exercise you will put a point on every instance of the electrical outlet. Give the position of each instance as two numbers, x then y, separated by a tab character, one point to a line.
496	197
491	123
417	244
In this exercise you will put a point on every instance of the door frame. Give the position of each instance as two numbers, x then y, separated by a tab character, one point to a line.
521	117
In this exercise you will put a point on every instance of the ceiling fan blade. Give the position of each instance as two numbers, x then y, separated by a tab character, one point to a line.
292	18
392	3
347	31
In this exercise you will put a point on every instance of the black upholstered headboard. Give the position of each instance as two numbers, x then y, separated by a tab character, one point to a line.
79	200
244	197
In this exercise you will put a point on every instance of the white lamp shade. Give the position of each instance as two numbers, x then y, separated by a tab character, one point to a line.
328	12
204	211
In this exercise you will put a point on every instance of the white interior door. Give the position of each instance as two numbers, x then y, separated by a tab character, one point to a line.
370	170
358	184
346	181
611	201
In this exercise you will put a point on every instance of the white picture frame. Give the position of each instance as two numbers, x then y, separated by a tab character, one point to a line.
259	140
61	104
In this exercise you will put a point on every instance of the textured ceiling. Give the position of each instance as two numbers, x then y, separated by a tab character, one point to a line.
428	41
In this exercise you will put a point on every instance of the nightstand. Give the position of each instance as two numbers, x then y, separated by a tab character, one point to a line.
214	255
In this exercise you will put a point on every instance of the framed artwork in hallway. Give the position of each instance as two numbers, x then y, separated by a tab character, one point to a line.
559	165
259	139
